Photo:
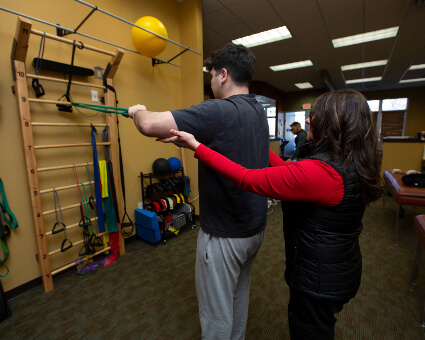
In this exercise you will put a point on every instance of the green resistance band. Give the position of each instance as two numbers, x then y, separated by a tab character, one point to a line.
103	108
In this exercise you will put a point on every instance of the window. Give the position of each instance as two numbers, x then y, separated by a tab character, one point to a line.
394	104
374	105
269	106
389	115
271	119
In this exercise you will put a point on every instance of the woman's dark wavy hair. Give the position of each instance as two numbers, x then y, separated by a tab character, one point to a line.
238	60
342	125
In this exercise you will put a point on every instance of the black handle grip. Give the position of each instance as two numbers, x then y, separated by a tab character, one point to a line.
68	246
57	225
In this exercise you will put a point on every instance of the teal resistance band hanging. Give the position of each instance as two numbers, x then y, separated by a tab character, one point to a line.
103	108
3	234
5	209
6	216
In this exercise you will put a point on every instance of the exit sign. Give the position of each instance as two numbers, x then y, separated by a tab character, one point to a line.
306	106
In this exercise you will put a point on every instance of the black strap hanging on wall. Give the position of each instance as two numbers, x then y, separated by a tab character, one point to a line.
38	88
63	107
130	223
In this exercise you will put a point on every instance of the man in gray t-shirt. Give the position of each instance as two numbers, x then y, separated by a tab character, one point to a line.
232	221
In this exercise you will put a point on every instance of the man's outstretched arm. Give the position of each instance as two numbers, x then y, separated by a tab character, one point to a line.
152	124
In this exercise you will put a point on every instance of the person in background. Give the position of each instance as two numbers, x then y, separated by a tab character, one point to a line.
323	199
232	221
300	139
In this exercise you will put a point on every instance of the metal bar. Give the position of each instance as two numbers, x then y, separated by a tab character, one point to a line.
130	23
85	19
84	35
177	55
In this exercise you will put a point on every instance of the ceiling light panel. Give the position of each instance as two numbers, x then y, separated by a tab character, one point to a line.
365	37
363	80
304	85
289	66
411	80
265	37
416	67
364	65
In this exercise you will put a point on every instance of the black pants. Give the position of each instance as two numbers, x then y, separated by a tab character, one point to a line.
312	318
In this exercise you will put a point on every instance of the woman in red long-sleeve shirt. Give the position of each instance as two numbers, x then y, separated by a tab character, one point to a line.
324	197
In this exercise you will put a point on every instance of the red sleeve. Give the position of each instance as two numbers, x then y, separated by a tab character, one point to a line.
303	181
275	160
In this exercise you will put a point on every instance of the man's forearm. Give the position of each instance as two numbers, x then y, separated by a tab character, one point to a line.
154	124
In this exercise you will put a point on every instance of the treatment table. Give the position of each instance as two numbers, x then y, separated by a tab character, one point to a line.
403	194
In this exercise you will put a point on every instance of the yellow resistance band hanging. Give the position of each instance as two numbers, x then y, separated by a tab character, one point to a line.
103	108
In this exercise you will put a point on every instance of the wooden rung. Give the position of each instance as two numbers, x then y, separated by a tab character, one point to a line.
48	212
70	42
67	124
37	147
53	252
48	233
63	188
60	167
72	264
45	101
35	76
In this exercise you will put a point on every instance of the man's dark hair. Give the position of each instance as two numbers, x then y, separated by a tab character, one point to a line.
295	124
238	60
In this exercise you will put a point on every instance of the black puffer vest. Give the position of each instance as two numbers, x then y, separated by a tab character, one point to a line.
323	256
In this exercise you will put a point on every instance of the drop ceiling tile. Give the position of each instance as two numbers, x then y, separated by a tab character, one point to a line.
221	19
279	5
251	9
264	23
210	6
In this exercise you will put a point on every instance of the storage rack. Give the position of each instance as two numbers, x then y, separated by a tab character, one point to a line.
19	52
150	176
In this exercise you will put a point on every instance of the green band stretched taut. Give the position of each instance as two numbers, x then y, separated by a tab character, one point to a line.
103	108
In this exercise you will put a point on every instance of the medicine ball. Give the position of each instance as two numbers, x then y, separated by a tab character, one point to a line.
161	166
175	164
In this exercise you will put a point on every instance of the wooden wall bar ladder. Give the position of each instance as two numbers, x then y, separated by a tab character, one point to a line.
19	52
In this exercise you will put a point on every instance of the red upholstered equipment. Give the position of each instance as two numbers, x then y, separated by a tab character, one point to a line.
401	192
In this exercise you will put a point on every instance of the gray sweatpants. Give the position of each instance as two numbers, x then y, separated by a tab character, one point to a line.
223	277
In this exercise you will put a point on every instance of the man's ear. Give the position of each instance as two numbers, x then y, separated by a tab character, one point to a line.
223	75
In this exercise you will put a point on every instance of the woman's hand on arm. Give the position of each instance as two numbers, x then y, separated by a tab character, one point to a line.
182	139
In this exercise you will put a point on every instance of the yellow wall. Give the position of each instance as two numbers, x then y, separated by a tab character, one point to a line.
275	146
403	156
160	88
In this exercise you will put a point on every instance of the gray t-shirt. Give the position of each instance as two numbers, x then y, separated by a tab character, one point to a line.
237	128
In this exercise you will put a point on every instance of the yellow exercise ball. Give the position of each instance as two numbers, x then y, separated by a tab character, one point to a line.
147	43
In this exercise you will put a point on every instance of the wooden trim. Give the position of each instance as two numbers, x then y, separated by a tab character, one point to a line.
28	143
